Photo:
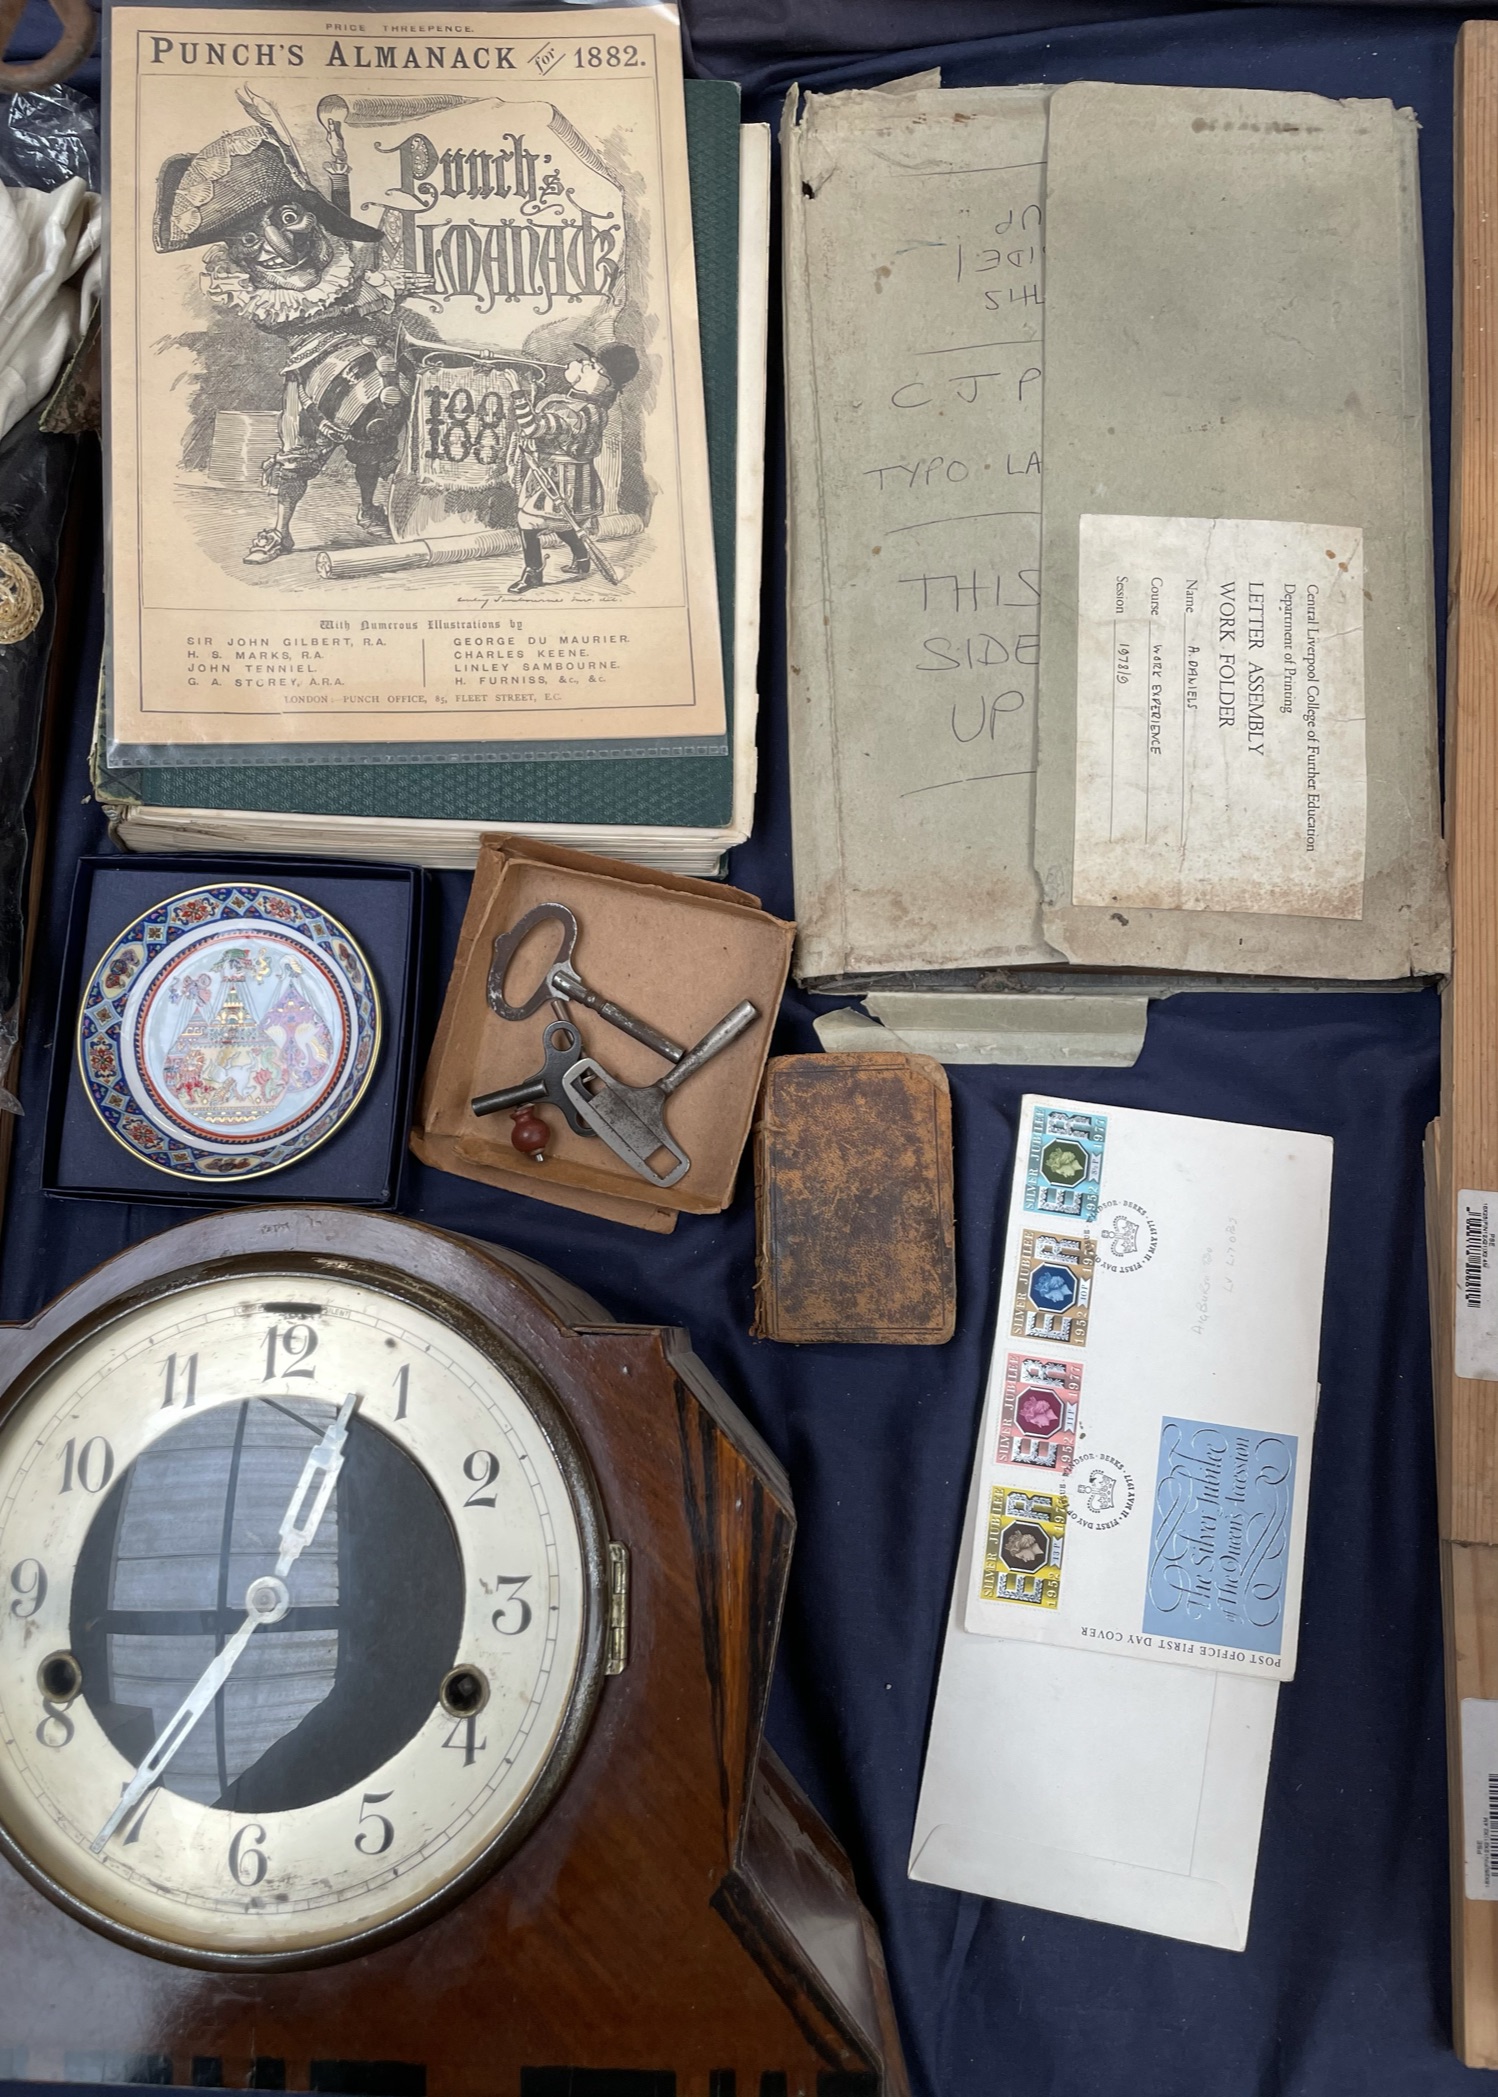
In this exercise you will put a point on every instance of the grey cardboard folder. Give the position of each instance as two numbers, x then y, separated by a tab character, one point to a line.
1111	598
913	393
1235	331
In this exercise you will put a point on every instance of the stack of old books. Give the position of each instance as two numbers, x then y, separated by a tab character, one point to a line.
435	447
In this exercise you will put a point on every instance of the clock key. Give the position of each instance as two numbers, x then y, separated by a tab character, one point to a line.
561	980
562	1046
631	1119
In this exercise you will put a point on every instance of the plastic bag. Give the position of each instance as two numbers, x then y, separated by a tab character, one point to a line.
46	136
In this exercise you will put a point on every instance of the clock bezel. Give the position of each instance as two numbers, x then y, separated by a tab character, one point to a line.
550	1414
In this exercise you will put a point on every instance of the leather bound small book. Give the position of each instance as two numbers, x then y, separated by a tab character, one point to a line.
853	1201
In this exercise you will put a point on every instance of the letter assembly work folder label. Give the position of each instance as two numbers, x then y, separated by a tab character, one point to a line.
1220	732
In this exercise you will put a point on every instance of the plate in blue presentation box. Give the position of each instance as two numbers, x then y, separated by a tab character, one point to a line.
235	1030
228	1031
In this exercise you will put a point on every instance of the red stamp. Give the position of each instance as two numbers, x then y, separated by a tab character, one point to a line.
1039	1424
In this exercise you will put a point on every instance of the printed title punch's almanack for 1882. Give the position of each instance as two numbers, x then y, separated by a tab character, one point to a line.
406	426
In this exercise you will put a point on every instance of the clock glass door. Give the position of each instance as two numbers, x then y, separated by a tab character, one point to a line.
301	1613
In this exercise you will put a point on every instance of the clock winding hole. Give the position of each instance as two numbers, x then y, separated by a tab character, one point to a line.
60	1678
465	1692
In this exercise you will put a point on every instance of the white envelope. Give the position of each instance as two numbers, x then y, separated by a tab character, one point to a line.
1094	1784
1124	1786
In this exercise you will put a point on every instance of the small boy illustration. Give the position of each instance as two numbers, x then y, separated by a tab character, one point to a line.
558	437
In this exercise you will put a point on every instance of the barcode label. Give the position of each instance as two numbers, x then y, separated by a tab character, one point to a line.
1477	1284
1480	1797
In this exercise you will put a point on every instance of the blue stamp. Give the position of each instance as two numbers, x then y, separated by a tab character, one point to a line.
1065	1169
1219	1560
1053	1288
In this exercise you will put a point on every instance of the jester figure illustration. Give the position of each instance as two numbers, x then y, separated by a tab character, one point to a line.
295	263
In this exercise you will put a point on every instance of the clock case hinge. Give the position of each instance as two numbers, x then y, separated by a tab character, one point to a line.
616	1647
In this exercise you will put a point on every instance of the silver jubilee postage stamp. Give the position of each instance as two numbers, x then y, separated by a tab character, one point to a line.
1053	1287
1064	1172
1022	1561
1038	1423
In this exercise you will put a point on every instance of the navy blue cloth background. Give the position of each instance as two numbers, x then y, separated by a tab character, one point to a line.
1344	1987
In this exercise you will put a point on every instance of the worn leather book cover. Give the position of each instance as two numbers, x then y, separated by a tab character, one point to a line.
853	1201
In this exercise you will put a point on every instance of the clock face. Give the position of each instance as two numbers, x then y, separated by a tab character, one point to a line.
302	1609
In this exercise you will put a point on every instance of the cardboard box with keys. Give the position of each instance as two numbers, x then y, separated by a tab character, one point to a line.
605	1005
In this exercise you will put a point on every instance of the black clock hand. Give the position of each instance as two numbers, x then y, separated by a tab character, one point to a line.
266	1602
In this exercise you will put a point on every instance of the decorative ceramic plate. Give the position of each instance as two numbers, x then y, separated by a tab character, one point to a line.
228	1032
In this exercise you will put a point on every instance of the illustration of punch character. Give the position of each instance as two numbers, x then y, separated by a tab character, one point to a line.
557	439
295	264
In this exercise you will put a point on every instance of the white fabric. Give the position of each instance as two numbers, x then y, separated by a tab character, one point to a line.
49	286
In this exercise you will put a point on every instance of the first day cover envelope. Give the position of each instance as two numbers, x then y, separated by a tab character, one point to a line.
1164	1769
1144	1460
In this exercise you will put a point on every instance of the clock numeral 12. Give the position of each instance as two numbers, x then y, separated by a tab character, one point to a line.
184	1377
248	1862
297	1342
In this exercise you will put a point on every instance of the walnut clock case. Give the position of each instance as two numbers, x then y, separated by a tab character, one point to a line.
384	1643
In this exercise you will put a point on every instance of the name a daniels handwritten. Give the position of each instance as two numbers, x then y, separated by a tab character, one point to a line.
374	58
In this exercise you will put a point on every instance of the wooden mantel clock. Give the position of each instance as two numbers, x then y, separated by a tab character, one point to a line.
384	1643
